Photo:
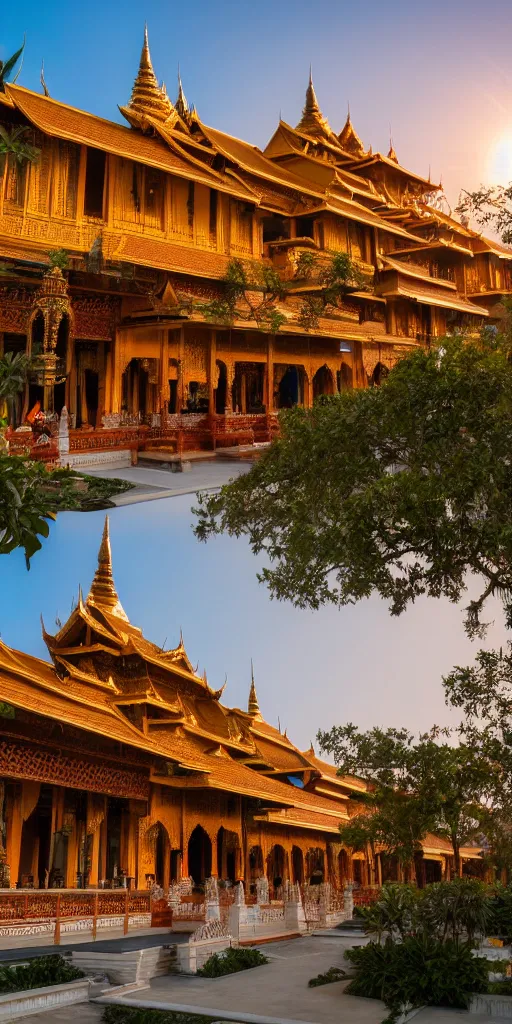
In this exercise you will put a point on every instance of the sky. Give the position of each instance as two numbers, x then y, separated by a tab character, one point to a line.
438	75
312	669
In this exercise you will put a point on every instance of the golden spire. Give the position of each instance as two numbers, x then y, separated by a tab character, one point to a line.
181	104
148	99
103	594
312	121
253	706
349	139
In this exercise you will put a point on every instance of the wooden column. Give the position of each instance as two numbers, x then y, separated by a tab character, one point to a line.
181	371
93	843
212	371
14	826
102	863
163	398
224	860
239	869
215	856
133	832
117	373
72	859
269	397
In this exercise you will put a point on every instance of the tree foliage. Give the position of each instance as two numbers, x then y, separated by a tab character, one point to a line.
13	377
403	489
7	67
253	291
15	146
419	785
492	207
25	506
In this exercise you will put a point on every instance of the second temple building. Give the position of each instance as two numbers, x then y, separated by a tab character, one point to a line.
121	767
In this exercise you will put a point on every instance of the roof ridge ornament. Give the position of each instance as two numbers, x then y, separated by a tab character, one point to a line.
103	594
148	99
313	121
253	706
349	139
181	104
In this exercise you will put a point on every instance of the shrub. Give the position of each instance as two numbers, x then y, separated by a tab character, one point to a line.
333	974
501	911
130	1015
417	972
38	973
230	961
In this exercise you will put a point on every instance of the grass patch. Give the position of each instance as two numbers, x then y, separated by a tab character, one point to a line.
127	1015
70	491
230	961
38	973
333	974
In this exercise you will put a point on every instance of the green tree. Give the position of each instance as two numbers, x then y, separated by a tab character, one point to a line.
438	786
25	506
403	489
13	377
14	145
7	67
492	208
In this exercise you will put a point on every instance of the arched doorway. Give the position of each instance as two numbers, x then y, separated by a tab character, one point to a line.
297	865
255	863
227	854
221	391
315	866
290	389
345	378
343	869
135	389
199	855
379	374
322	382
276	866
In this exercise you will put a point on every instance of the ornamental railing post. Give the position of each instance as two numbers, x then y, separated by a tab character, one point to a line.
126	912
56	936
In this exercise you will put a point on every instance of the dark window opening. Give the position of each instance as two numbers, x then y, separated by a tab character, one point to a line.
173	397
94	183
275	228
213	210
190	203
15	343
306	227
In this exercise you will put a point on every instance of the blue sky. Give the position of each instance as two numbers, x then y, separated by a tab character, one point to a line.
439	74
312	669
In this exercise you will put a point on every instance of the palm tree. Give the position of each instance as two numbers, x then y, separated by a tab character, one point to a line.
7	67
13	377
14	145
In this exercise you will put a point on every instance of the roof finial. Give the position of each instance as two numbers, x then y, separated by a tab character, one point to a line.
349	139
43	83
148	99
103	594
181	103
253	707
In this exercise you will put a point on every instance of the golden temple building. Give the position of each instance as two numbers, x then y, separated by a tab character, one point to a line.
150	216
121	767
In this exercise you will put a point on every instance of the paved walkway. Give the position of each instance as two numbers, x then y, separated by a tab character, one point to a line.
118	942
278	991
153	482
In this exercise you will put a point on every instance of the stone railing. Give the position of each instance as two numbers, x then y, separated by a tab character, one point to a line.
47	911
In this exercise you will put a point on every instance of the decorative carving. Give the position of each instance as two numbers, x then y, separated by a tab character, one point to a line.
196	360
24	762
95	318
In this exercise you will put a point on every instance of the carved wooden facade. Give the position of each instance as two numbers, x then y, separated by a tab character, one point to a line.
150	217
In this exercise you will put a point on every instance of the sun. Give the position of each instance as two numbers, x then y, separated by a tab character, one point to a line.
500	160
